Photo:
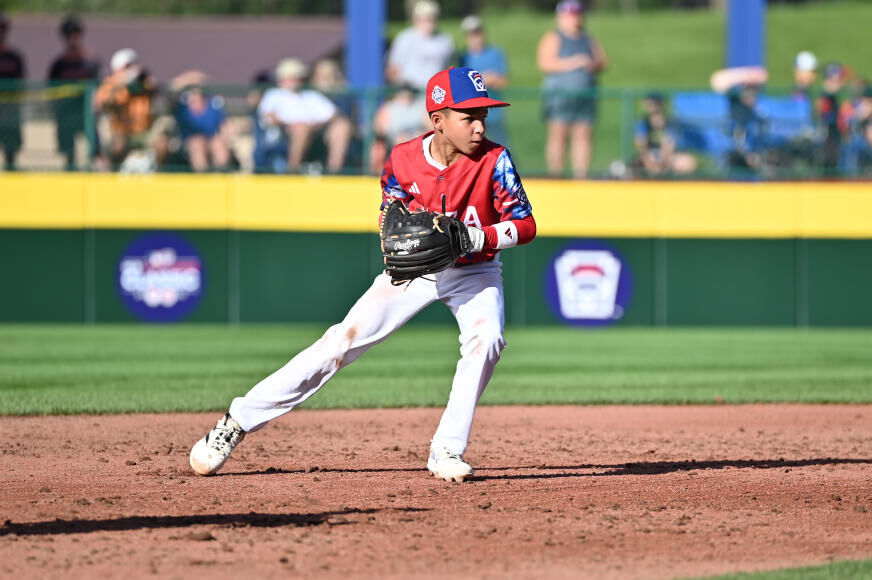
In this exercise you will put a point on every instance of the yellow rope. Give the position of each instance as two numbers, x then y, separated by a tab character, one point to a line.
41	95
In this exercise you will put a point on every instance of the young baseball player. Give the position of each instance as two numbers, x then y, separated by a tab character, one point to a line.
479	185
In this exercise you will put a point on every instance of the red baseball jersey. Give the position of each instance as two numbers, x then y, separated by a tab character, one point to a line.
482	190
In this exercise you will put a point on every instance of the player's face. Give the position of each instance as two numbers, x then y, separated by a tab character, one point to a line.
464	129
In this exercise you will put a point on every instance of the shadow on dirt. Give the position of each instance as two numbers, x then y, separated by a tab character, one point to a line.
282	471
58	526
663	467
587	469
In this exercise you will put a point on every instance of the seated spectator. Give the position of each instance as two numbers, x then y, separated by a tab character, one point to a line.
11	73
857	159
201	123
804	148
126	97
74	65
419	52
402	118
746	128
270	139
656	143
490	61
304	114
327	78
828	106
848	107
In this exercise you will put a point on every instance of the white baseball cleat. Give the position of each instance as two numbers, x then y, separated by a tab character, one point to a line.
210	452
448	465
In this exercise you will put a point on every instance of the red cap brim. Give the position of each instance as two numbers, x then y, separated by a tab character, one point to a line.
475	103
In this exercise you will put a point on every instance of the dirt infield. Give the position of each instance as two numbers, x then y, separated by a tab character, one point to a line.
604	492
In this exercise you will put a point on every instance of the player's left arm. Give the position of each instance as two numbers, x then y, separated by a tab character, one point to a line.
517	225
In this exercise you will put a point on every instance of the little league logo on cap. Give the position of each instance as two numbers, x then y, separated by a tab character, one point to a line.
438	95
477	81
459	88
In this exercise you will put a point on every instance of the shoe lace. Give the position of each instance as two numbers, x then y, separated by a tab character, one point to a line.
448	454
225	435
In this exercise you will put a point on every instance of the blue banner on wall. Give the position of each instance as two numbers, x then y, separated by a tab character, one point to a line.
588	283
160	277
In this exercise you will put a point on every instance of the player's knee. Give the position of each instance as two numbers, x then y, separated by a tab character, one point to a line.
337	341
487	341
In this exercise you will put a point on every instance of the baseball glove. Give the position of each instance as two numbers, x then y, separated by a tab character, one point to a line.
415	244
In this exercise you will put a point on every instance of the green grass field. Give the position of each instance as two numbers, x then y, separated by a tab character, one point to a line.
851	570
47	369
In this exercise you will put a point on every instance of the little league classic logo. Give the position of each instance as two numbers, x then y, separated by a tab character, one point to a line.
160	278
588	283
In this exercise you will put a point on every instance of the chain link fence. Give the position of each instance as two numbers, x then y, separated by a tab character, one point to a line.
636	134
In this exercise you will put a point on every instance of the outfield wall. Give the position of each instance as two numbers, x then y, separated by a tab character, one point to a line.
303	249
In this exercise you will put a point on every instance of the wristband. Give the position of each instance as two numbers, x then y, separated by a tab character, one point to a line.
476	237
507	235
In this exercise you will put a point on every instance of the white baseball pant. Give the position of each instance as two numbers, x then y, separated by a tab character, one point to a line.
473	293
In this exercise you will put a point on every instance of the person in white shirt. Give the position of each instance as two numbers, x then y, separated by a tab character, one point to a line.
420	51
304	113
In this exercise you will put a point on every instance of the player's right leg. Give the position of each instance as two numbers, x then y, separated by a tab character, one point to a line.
379	312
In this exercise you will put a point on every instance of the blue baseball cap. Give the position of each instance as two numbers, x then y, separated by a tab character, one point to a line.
572	6
458	88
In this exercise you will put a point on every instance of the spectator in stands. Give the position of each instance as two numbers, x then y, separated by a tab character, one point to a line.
419	52
126	97
803	148
571	60
305	114
201	123
12	72
746	127
656	142
847	108
270	139
828	114
70	71
328	79
399	119
858	151
804	74
490	61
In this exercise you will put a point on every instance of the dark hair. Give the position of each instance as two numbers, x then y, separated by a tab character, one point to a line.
263	77
71	25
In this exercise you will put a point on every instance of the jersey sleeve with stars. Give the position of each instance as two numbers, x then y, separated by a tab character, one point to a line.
509	195
517	225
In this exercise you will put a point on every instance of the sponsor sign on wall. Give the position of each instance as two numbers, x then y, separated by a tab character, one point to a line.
588	283
160	277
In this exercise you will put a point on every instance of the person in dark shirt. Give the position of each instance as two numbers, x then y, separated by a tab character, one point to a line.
856	123
11	73
656	142
72	70
828	107
746	127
